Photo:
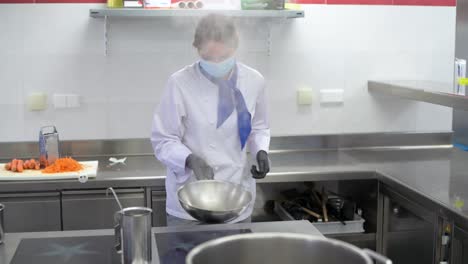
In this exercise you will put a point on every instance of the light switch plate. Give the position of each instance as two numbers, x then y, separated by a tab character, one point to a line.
37	101
334	96
73	101
304	96
60	101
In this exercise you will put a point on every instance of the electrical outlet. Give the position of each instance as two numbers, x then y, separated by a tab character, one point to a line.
73	101
60	101
332	96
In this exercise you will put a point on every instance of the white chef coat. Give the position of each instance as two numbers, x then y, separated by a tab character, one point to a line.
185	123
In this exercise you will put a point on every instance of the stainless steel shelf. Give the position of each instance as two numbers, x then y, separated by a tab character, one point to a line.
140	12
424	91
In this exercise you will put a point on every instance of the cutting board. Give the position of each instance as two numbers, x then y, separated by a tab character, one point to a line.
89	170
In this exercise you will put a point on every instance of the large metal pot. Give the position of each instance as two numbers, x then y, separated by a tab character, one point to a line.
280	248
214	201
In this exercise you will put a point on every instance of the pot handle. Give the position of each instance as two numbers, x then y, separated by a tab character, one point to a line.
377	257
117	231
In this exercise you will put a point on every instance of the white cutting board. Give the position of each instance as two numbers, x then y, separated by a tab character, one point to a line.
89	170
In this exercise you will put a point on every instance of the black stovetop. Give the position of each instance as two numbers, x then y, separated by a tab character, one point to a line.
173	247
69	250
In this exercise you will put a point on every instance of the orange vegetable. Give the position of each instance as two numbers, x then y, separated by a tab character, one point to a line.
26	164
63	165
37	166
14	163
32	164
8	166
19	165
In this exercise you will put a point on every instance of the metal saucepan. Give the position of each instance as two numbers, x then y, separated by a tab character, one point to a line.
214	201
280	248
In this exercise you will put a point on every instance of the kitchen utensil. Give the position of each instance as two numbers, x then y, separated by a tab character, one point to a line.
214	201
326	228
293	206
133	234
115	196
279	248
312	213
336	203
2	223
324	205
49	145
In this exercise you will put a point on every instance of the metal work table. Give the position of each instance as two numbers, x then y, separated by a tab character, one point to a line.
437	173
12	240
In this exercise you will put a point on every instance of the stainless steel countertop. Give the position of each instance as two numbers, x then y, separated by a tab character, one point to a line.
438	174
12	240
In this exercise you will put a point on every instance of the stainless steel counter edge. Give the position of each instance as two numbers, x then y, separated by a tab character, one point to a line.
142	146
159	181
423	91
323	172
423	199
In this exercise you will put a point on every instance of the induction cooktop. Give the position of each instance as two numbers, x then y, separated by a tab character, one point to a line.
173	247
69	250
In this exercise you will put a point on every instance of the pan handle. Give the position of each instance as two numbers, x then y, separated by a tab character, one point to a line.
377	257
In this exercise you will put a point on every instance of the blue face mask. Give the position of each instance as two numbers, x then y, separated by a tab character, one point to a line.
220	69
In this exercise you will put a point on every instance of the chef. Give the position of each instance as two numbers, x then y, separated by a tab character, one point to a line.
211	113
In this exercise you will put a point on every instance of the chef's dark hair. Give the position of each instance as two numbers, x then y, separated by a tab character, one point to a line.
215	27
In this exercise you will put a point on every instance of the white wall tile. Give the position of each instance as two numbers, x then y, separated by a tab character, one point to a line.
88	121
11	128
127	120
61	28
11	78
12	29
59	49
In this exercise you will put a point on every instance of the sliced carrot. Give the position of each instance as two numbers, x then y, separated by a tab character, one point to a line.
20	167
63	165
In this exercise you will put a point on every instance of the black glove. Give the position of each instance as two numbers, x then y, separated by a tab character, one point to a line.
263	165
200	168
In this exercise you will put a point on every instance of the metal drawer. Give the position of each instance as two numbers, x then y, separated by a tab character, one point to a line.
31	212
158	199
92	209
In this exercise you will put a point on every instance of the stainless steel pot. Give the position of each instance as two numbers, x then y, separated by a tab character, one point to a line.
133	234
214	201
280	248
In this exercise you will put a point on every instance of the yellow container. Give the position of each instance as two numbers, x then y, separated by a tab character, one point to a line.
115	3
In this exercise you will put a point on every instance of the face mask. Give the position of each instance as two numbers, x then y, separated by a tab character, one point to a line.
220	69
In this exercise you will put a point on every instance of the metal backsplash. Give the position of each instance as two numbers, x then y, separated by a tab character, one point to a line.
135	147
460	117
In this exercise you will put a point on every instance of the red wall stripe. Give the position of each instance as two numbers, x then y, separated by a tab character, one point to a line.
69	1
360	2
332	2
310	2
16	1
426	2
